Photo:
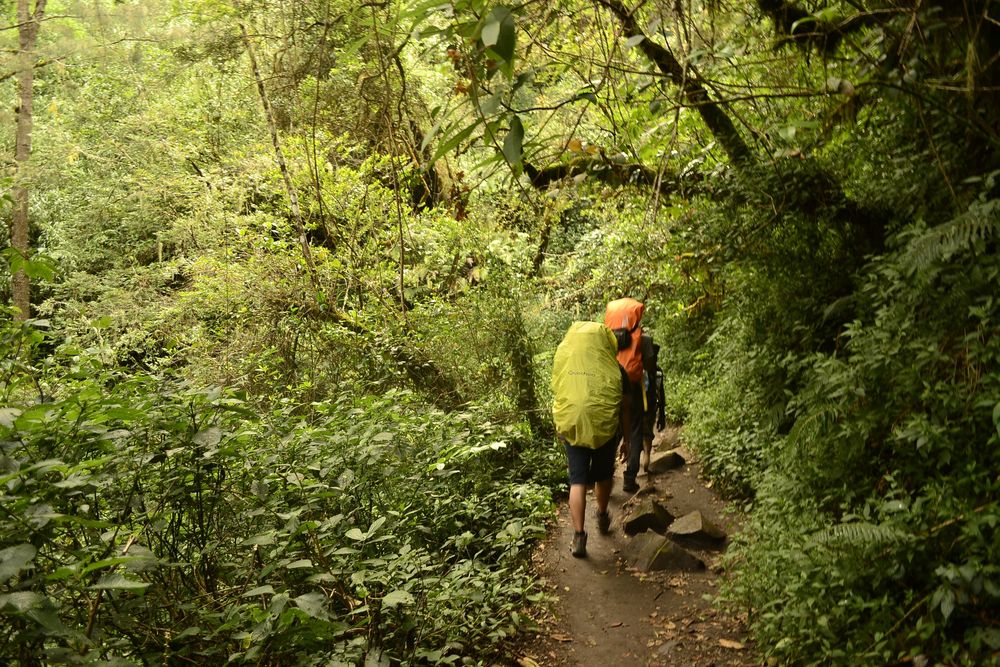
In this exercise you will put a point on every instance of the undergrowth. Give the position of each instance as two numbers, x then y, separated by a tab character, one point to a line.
147	520
875	498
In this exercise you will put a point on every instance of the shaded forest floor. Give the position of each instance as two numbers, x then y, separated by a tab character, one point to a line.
607	613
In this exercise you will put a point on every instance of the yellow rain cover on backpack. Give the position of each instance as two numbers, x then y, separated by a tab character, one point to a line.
586	385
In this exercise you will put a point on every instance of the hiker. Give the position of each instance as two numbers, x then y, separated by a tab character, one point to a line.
661	410
588	388
650	352
636	356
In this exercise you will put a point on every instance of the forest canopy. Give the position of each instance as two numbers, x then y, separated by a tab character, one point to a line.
284	280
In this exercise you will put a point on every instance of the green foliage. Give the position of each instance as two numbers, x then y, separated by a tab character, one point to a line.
133	504
889	471
730	422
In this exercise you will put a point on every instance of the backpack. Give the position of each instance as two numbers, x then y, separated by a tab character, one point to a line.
586	386
623	316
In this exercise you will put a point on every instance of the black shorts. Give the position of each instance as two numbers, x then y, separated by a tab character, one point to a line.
587	466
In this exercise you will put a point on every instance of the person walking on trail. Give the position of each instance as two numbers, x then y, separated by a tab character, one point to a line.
588	387
651	395
623	317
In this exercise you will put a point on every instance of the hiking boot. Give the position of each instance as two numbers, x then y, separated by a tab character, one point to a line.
580	544
630	486
604	522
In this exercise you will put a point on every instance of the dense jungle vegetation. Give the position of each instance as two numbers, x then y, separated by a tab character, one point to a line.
285	280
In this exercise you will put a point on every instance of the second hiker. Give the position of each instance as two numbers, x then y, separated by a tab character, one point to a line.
637	355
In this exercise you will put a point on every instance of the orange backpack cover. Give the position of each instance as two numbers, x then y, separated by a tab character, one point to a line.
626	314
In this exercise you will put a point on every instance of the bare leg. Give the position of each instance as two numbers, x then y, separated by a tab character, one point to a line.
577	505
602	491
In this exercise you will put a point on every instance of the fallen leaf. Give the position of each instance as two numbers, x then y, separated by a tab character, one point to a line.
525	661
728	643
616	624
561	637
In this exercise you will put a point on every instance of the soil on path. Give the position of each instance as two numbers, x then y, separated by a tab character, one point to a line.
609	615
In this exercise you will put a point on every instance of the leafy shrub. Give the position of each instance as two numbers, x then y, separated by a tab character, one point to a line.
874	532
149	520
731	422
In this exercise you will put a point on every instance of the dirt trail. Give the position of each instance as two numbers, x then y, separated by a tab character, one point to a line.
611	616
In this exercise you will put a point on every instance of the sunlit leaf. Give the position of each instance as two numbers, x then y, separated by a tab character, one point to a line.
21	601
512	143
397	597
312	604
634	40
117	581
14	559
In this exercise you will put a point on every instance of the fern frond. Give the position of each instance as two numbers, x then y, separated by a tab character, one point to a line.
981	222
858	536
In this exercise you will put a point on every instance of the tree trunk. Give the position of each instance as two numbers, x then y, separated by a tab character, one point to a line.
691	85
279	156
28	23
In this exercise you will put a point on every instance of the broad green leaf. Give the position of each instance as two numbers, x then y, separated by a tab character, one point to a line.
45	615
14	559
118	582
376	524
73	481
312	604
208	437
491	105
355	534
355	46
40	515
453	141
397	597
491	30
634	40
513	143
947	604
344	551
39	268
500	33
104	563
7	416
21	601
260	590
422	10
301	563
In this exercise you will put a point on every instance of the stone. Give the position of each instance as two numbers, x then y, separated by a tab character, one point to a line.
646	514
662	462
655	553
695	529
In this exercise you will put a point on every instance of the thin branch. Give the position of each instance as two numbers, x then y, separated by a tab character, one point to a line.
714	117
